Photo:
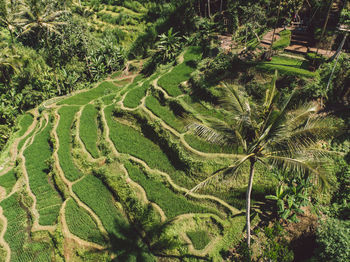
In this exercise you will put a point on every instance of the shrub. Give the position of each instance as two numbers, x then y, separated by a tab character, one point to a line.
333	238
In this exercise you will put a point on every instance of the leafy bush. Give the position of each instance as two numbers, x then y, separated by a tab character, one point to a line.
333	238
88	129
276	247
199	239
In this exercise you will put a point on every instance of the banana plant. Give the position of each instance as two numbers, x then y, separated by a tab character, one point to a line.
290	196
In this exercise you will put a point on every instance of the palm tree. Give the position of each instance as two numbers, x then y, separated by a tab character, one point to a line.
9	16
268	136
40	15
9	64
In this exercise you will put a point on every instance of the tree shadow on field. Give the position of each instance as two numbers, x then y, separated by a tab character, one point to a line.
144	239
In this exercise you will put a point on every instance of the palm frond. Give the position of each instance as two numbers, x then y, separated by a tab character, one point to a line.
232	169
207	133
302	166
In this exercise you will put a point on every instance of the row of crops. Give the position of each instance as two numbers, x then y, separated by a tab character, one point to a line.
90	206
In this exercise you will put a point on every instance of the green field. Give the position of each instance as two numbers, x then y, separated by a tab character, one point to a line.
134	96
288	66
81	224
84	98
48	200
170	82
164	113
65	139
25	121
88	129
23	248
128	140
199	239
94	194
172	204
8	180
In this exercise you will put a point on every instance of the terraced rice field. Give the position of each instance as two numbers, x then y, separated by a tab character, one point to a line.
57	199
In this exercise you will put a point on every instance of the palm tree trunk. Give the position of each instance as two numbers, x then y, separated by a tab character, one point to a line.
324	29
209	13
249	191
274	29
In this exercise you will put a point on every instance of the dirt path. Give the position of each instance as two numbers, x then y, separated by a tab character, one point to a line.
13	152
68	183
106	132
3	243
35	214
67	234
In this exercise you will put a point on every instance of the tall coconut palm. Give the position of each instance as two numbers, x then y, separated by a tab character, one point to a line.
270	135
40	15
9	16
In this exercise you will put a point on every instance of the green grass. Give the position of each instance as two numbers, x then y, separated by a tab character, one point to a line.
86	97
17	235
180	73
164	113
284	41
88	129
134	96
24	123
204	146
116	74
128	140
8	180
172	204
93	193
287	66
207	111
200	239
64	135
48	200
81	224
